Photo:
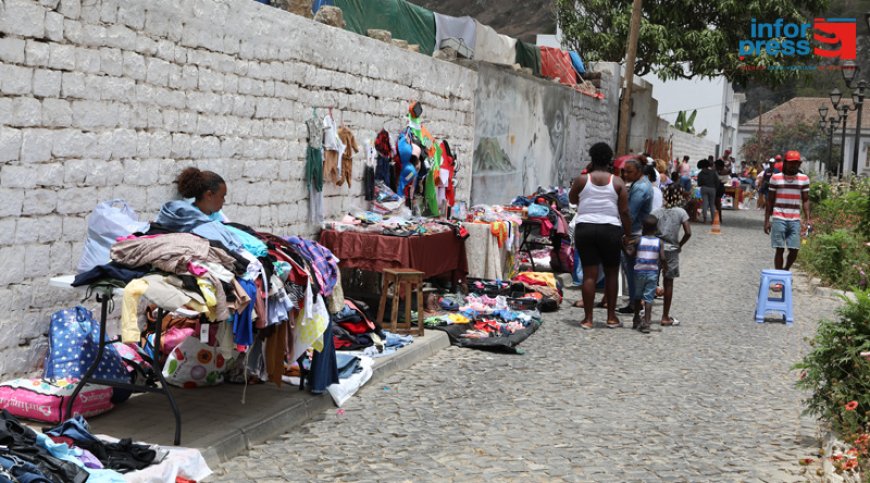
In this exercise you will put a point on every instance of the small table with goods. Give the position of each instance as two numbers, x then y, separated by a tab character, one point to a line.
104	295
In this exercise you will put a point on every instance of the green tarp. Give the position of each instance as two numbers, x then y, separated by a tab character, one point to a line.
529	55
405	20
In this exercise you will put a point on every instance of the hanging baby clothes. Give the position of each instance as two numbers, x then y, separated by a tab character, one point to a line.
332	150
346	137
383	168
448	162
314	170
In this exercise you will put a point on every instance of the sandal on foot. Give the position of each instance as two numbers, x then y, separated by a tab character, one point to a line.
584	326
614	325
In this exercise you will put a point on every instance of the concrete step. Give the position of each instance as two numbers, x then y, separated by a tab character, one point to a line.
215	421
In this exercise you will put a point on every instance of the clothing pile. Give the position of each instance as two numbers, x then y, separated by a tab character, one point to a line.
261	294
69	453
489	317
368	222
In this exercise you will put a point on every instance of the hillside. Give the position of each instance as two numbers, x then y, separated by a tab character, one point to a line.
520	19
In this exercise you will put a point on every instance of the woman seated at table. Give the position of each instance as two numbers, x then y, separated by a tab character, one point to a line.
199	212
204	190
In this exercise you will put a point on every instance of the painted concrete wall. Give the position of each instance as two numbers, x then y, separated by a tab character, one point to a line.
531	132
103	99
685	144
644	115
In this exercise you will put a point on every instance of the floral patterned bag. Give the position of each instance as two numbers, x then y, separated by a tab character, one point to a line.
194	364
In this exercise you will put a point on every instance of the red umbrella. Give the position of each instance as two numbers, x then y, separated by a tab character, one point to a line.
618	162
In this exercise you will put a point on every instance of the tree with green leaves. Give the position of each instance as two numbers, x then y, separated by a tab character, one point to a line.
685	38
785	136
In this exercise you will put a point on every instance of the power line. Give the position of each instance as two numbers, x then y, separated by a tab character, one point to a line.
692	109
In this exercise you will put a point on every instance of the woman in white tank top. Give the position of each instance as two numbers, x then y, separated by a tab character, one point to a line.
602	224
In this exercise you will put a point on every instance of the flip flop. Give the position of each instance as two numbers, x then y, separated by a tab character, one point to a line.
673	322
586	327
617	325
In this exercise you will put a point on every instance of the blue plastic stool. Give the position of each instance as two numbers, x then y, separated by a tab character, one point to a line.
774	294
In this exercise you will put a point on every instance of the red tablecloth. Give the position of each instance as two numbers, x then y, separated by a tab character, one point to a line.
436	254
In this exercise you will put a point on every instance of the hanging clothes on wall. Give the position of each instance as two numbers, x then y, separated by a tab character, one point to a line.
333	149
383	162
492	47
448	162
529	56
462	29
349	141
314	168
556	64
405	20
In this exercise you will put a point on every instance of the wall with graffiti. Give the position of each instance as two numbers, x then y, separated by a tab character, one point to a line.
531	132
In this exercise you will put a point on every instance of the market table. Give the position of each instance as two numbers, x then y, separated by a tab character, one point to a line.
486	259
155	381
433	254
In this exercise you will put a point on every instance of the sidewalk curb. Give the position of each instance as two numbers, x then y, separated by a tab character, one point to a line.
814	286
235	442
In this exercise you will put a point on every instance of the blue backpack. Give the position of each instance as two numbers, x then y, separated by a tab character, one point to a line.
73	339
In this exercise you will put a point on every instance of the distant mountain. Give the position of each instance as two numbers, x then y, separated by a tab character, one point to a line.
523	19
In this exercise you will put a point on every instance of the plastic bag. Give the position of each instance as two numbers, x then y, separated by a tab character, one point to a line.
109	221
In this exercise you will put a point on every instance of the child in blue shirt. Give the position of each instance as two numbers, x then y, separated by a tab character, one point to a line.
650	255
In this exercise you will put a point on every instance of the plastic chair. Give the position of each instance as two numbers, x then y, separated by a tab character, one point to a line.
774	294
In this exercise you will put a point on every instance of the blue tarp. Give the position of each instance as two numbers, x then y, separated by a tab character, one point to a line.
577	62
316	4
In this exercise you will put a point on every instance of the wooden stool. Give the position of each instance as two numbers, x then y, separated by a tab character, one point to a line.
413	281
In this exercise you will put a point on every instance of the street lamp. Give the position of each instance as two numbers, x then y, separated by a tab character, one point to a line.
828	129
850	74
844	113
836	95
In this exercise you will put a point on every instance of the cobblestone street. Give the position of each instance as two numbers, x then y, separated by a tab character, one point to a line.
710	400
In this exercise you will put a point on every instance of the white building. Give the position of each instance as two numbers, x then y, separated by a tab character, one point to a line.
807	109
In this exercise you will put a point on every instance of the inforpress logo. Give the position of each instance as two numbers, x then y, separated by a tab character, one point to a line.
833	31
837	38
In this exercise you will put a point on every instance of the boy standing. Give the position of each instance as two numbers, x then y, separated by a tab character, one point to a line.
671	218
650	254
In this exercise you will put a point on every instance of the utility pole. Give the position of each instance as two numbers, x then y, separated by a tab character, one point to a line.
761	161
630	55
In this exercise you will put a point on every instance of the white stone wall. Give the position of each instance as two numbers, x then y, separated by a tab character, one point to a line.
103	99
689	145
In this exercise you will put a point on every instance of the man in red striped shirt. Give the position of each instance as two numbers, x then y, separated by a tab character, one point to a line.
788	193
